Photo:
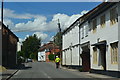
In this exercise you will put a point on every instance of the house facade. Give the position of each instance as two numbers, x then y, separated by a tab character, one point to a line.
49	48
71	48
19	46
104	39
99	39
9	47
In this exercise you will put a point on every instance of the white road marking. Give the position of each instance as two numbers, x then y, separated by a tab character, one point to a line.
47	76
17	72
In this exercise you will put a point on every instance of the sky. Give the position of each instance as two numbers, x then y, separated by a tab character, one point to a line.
40	18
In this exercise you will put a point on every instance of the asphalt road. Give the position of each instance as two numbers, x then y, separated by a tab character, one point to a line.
44	70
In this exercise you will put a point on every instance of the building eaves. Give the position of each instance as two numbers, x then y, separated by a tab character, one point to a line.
70	27
9	31
91	14
96	11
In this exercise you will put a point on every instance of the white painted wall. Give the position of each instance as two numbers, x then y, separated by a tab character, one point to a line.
86	36
19	46
71	38
108	33
119	36
41	56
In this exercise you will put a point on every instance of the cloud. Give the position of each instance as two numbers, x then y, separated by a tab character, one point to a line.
21	40
41	35
9	23
40	23
11	14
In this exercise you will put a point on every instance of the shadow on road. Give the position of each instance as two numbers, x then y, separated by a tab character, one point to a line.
21	67
5	74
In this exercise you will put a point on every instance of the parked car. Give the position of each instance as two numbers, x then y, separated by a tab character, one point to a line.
29	60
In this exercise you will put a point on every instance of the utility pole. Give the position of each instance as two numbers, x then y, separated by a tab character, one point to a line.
2	11
60	37
1	24
59	26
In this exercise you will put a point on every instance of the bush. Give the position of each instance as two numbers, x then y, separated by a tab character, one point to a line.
51	57
81	69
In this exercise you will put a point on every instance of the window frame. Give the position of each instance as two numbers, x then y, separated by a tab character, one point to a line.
102	20
114	53
95	55
113	15
94	24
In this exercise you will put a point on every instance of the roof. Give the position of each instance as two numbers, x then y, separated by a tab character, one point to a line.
9	31
91	14
50	46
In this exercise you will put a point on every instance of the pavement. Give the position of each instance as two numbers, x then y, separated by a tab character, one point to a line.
8	73
93	75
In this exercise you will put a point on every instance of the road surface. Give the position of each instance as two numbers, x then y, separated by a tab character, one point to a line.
47	70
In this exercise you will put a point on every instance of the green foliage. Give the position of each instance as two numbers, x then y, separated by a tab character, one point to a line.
51	57
81	69
20	57
58	39
32	56
20	53
30	46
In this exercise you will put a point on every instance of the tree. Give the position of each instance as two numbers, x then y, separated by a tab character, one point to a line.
20	53
31	45
58	40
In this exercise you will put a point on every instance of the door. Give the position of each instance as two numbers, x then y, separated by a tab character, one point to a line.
86	59
103	56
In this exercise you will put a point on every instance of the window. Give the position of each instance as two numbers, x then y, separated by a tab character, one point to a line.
113	16
87	30
102	21
94	55
114	53
94	24
82	32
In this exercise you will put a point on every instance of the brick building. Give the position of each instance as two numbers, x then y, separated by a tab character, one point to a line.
9	47
49	48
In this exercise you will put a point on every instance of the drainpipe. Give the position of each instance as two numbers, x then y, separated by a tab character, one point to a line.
79	41
119	36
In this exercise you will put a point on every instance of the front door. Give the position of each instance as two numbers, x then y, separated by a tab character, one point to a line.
103	56
86	59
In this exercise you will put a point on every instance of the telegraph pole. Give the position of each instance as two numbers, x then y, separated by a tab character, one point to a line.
60	37
1	24
2	12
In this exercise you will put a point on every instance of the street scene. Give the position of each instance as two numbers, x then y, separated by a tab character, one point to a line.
60	40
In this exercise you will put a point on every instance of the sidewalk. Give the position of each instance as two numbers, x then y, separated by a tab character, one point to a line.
8	73
94	75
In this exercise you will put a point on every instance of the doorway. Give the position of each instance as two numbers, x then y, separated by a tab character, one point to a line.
85	58
103	56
